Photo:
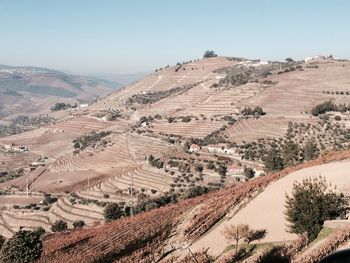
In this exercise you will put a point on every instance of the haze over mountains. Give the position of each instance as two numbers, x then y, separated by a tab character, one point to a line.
32	91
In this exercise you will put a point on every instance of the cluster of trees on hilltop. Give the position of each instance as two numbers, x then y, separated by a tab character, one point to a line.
209	54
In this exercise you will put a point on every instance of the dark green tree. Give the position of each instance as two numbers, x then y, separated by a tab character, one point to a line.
198	168
78	224
249	172
59	226
290	153
209	54
310	150
222	169
112	211
2	241
273	161
323	108
312	202
24	247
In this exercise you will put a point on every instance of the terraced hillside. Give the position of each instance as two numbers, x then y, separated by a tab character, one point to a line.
178	133
187	220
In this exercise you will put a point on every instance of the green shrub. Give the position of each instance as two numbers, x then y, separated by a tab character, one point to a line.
249	172
312	202
273	161
59	226
310	150
323	108
112	211
78	224
24	247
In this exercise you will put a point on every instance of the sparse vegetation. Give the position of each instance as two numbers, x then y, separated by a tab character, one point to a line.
89	140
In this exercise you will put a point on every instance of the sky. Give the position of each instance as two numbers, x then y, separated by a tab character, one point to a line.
127	36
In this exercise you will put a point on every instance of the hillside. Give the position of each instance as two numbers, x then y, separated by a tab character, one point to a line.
170	233
30	90
210	127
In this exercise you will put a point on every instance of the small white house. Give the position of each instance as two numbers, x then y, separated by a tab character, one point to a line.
194	148
235	170
15	148
215	149
83	105
230	150
259	170
222	149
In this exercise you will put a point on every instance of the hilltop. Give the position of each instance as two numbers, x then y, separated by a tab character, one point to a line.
217	129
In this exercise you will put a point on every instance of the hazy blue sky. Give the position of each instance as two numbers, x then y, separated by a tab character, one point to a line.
102	36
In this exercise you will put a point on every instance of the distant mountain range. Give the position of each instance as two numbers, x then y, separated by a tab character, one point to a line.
31	90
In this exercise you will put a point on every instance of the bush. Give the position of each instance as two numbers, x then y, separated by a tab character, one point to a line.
112	211
198	168
337	118
210	166
78	224
222	169
323	108
312	202
59	226
170	119
249	172
24	247
49	200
